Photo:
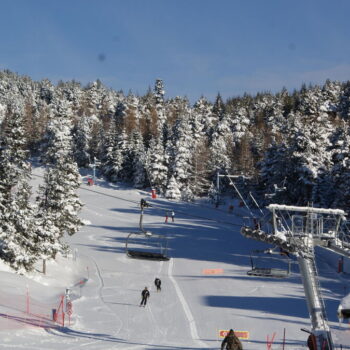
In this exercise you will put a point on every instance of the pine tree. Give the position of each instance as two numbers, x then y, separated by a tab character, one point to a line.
274	168
213	194
203	112
172	190
16	225
137	157
59	194
308	144
339	197
182	167
82	137
157	165
108	157
200	183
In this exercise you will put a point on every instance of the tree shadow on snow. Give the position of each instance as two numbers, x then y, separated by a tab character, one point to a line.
295	307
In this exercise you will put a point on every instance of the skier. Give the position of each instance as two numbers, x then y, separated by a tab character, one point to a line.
145	295
231	341
172	215
166	216
158	282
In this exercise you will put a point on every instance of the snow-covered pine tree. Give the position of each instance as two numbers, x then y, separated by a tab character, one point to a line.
172	189
340	150
221	143
273	172
218	113
2	112
239	124
48	234
159	102
16	225
61	181
200	183
344	105
213	194
82	137
203	111
183	145
308	156
157	165
137	158
108	152
331	91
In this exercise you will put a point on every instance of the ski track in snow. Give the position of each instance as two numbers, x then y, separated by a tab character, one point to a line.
101	296
188	313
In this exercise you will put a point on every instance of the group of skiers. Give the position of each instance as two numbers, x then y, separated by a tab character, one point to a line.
230	342
145	204
145	294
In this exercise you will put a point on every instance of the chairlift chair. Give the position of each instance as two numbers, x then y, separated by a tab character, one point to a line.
149	246
145	244
269	263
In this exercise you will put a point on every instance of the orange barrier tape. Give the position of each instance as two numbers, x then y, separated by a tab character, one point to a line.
212	272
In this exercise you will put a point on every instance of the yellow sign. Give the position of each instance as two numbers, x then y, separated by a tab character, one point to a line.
239	334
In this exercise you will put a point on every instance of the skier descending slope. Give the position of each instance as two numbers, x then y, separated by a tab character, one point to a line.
145	295
158	283
231	342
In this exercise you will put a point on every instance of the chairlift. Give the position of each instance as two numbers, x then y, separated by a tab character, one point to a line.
277	189
147	245
270	263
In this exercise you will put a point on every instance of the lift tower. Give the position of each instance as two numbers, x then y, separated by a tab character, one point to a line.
297	230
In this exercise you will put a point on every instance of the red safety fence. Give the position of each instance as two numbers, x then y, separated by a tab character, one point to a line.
18	310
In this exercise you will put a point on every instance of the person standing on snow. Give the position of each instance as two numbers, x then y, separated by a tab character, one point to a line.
231	342
158	282
172	215
145	295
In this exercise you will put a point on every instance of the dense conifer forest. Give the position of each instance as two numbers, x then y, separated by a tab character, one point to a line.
292	147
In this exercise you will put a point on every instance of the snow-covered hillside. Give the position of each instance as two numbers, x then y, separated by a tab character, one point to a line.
192	307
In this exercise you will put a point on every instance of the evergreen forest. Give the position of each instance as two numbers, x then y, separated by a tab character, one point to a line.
288	147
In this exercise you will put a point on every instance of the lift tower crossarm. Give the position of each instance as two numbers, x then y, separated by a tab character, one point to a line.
339	212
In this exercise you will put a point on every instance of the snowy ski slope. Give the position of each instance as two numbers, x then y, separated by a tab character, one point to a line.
192	307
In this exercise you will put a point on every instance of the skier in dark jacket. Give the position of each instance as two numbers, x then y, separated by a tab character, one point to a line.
158	283
231	342
145	295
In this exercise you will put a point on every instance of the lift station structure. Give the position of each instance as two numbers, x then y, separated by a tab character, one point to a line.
297	230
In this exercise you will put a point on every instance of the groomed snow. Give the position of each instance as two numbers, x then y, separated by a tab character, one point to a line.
192	306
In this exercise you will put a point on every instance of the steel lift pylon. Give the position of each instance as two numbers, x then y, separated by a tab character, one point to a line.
297	230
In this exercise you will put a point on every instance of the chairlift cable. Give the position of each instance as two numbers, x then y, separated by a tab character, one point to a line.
234	186
256	203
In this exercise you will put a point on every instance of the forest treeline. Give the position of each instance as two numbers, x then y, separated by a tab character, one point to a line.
293	146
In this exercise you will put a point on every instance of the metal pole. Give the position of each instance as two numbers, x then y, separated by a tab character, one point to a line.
94	169
217	188
218	181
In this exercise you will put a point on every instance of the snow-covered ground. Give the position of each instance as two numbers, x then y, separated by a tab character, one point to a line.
192	307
